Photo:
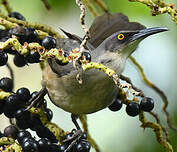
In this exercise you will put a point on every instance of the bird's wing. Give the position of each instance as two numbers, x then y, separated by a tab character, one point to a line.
107	24
77	38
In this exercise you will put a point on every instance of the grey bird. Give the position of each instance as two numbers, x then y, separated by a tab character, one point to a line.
113	40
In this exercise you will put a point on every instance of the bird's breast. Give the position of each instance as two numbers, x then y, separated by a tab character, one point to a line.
95	93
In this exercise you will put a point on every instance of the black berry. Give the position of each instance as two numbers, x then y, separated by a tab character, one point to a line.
6	84
60	62
17	16
44	144
22	114
31	35
84	135
19	60
30	145
49	114
11	105
19	32
116	105
49	42
87	56
4	34
132	109
2	103
35	93
23	124
83	146
12	101
44	132
3	58
54	148
9	111
63	147
11	131
35	122
24	94
147	104
22	134
33	57
1	134
10	51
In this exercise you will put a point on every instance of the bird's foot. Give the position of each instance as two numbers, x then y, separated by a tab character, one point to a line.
74	138
77	139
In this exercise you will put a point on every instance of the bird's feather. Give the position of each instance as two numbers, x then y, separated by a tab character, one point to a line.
107	24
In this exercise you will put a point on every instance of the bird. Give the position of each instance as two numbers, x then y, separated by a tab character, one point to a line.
113	38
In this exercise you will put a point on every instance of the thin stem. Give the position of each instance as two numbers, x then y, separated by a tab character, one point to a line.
91	8
102	5
7	6
46	4
11	72
157	130
156	89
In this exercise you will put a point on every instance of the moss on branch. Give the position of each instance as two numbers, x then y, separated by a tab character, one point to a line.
160	7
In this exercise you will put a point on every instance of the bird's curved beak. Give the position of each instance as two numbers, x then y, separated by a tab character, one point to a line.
146	32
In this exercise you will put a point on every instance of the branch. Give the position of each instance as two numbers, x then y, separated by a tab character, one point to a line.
157	90
157	130
160	7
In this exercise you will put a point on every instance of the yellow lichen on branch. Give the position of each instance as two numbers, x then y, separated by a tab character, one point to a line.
54	128
4	95
156	89
157	130
160	7
99	66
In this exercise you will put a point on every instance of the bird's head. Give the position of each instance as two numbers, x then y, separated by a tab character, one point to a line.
125	42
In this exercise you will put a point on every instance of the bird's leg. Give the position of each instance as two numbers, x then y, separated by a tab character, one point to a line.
74	120
37	98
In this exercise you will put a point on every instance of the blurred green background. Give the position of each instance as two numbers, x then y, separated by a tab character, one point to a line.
113	131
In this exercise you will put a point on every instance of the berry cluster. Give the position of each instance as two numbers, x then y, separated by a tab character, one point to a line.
30	144
14	107
23	34
133	108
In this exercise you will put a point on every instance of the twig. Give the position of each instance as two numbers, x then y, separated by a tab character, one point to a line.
10	22
7	6
91	8
156	89
84	41
84	26
155	115
11	72
157	130
128	80
160	7
102	5
46	4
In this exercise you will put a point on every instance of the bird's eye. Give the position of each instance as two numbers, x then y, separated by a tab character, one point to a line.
120	37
